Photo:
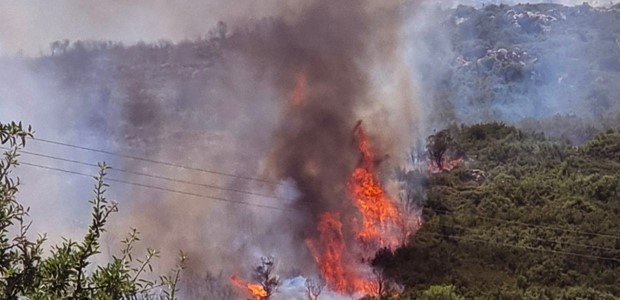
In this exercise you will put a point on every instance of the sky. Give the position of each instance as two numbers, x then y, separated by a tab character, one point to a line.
32	25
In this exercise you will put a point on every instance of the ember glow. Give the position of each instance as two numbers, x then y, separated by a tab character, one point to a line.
445	166
299	92
254	290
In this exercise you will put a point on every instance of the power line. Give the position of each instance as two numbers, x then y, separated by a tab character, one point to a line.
165	163
284	199
160	188
524	247
155	176
289	209
567	253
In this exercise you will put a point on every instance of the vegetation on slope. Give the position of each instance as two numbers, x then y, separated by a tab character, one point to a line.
524	217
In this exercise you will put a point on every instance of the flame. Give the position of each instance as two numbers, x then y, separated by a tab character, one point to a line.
254	290
370	221
330	259
377	223
379	214
337	271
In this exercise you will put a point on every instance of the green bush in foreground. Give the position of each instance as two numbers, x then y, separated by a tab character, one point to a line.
28	271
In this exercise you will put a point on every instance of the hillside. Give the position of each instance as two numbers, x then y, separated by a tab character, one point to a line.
525	95
524	217
535	65
541	66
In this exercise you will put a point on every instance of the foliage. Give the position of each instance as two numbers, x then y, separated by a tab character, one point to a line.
437	144
542	225
527	63
65	272
441	292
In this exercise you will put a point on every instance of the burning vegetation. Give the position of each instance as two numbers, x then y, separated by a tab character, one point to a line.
253	290
266	281
373	222
381	220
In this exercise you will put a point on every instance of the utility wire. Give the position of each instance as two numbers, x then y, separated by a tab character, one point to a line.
160	188
155	176
509	245
293	209
165	163
278	198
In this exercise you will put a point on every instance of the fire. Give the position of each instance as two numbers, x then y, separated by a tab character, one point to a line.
379	215
254	290
370	219
332	260
377	223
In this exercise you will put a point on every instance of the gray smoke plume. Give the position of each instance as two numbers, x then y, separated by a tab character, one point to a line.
241	115
273	93
531	65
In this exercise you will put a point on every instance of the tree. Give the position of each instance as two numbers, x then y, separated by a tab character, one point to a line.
27	272
314	288
264	275
437	145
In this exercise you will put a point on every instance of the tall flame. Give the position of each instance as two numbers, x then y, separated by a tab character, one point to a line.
369	221
334	260
330	259
379	215
377	223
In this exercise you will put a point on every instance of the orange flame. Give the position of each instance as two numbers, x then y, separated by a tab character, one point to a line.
254	290
338	273
330	259
379	215
380	225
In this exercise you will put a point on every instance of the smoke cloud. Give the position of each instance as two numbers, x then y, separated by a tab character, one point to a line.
296	87
272	96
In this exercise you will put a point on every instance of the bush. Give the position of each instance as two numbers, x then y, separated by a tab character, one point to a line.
27	271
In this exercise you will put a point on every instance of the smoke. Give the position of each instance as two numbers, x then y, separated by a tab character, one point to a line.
296	87
275	99
329	46
31	27
531	65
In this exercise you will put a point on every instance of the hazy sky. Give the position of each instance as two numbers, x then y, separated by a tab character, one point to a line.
32	25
